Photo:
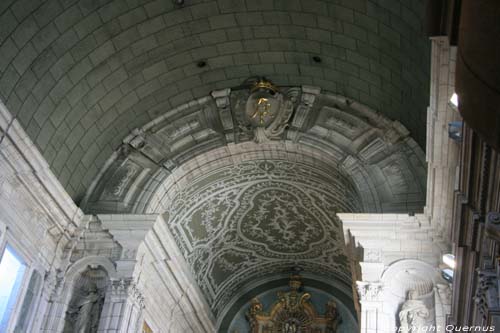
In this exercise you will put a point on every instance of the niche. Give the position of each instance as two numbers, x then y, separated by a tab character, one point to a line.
86	303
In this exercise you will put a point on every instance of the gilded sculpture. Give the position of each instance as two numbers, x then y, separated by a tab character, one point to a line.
292	312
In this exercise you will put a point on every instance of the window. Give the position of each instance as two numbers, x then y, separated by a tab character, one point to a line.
11	275
28	303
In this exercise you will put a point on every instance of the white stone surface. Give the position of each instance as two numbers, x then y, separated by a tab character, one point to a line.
442	153
173	301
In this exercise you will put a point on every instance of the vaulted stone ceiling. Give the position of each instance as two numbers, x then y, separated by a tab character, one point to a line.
377	156
80	75
247	202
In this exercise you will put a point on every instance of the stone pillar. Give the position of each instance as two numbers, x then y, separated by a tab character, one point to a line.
442	293
442	153
133	313
122	310
52	304
370	297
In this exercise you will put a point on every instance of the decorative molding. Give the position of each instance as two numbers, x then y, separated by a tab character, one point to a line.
127	288
222	99
95	241
308	97
487	293
333	131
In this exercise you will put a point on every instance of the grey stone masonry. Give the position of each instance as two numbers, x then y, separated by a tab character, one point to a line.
118	64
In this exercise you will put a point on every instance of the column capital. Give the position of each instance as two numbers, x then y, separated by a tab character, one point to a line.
369	291
127	288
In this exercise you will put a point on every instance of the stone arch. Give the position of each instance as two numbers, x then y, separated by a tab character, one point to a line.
81	264
333	155
86	302
335	289
74	284
410	279
386	165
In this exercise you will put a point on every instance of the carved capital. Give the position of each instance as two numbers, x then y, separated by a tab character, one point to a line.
127	288
120	287
369	291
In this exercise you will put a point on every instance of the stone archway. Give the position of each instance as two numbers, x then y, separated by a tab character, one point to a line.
251	203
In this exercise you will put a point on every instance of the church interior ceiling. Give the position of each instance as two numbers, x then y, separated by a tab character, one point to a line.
80	75
239	224
378	156
265	203
151	107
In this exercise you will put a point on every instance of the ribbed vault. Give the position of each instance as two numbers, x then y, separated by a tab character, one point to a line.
80	75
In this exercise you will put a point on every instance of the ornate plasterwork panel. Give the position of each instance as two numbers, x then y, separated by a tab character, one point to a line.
258	218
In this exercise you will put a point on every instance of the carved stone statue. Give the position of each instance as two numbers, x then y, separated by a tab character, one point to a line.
86	311
414	315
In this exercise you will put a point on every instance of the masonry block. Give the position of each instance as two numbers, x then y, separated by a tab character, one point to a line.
88	25
68	18
24	32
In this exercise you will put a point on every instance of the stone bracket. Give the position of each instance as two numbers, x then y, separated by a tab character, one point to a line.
308	98
223	102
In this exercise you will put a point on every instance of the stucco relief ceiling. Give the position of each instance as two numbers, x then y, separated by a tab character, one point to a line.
240	223
81	74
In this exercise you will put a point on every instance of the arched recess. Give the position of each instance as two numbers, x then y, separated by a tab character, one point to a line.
215	175
233	316
91	260
86	303
416	284
90	273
